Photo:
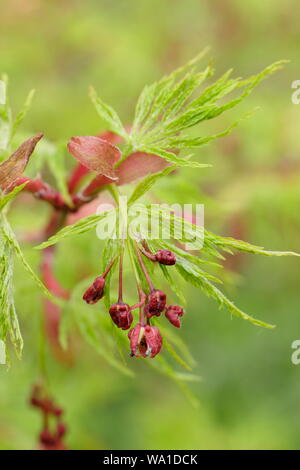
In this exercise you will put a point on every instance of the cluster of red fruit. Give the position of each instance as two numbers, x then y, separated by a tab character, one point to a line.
145	339
49	439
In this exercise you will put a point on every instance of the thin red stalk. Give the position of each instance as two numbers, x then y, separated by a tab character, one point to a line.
77	174
90	192
142	297
52	312
109	267
42	191
56	221
145	245
79	200
96	185
147	254
54	224
121	276
144	269
48	276
142	301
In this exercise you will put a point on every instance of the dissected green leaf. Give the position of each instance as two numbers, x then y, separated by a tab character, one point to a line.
22	114
83	225
170	106
167	225
201	281
5	116
174	337
10	196
208	242
156	98
9	325
108	114
9	125
143	187
173	353
172	158
13	242
182	141
194	269
15	332
228	244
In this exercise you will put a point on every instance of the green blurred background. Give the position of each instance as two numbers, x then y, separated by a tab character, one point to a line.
249	395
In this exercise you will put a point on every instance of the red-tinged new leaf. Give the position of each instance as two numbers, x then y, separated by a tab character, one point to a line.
80	171
12	168
137	165
95	154
94	186
111	137
76	177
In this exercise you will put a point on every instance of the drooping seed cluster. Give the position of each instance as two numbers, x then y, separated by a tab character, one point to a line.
52	433
145	339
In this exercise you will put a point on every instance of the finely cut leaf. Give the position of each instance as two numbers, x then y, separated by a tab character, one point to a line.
176	356
15	332
10	196
5	115
210	290
83	225
195	142
8	319
228	243
22	114
172	158
11	239
108	114
175	339
168	225
148	182
170	106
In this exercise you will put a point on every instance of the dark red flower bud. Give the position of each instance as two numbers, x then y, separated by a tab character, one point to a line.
173	314
95	292
145	341
61	429
57	411
156	303
166	257
47	438
35	401
121	315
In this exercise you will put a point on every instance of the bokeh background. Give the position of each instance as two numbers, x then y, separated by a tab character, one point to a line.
249	395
